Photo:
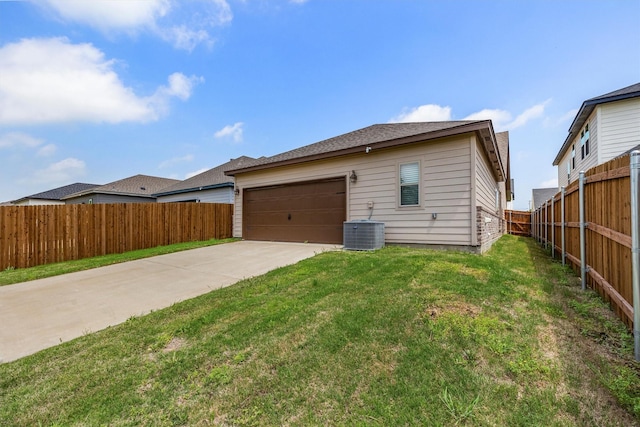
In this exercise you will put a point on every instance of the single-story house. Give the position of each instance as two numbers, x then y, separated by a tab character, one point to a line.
211	186
135	189
54	196
604	128
433	184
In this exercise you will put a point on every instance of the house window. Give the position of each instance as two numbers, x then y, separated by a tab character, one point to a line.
410	184
584	141
573	156
568	171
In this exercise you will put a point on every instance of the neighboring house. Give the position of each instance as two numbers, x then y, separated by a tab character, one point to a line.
55	196
605	127
211	186
502	139
432	184
135	189
541	195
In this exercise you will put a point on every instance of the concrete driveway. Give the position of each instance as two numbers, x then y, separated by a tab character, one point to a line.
43	313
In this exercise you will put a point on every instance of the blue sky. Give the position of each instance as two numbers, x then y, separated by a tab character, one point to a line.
102	90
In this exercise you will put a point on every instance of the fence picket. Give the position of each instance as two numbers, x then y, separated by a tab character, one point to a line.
35	235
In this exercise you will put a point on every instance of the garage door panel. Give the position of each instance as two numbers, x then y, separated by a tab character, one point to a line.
300	212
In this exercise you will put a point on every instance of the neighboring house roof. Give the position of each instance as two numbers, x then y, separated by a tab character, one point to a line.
383	136
137	185
587	108
541	195
213	178
59	193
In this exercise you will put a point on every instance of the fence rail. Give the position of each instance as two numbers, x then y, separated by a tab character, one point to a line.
518	222
600	250
36	235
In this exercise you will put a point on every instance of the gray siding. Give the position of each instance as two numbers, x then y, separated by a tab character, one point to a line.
109	198
216	195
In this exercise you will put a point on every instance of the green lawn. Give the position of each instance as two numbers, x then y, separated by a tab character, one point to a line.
393	337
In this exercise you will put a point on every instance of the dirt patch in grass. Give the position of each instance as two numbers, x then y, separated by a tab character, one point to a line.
454	307
175	344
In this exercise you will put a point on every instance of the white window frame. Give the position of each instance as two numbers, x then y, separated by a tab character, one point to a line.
400	185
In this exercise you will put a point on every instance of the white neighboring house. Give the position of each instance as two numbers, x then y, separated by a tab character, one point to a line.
211	186
54	196
605	127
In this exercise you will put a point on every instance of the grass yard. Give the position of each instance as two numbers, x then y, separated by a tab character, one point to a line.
393	337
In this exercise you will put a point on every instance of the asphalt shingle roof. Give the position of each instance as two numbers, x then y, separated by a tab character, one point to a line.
211	178
137	185
60	192
370	135
541	195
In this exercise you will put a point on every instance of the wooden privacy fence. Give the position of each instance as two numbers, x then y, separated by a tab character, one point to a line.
36	235
518	222
605	239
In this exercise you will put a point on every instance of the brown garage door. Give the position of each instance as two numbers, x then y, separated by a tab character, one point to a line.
311	211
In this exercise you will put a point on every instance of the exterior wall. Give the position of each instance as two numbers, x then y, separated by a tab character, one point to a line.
38	202
581	164
489	209
446	189
614	128
108	198
486	183
215	195
619	128
489	229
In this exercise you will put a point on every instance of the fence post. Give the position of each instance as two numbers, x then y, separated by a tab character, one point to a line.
553	229
546	224
510	225
562	221
635	247
583	260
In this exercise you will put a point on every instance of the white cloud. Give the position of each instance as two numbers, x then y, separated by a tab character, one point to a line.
185	24
234	131
424	113
64	170
498	117
47	150
528	115
109	14
194	173
501	119
53	80
176	160
18	139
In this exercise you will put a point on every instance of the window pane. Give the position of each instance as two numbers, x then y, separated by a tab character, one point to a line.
409	174
409	195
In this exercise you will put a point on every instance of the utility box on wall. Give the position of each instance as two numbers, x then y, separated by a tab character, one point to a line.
363	235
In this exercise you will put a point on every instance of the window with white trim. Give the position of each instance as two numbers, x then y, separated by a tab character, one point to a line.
410	184
584	141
